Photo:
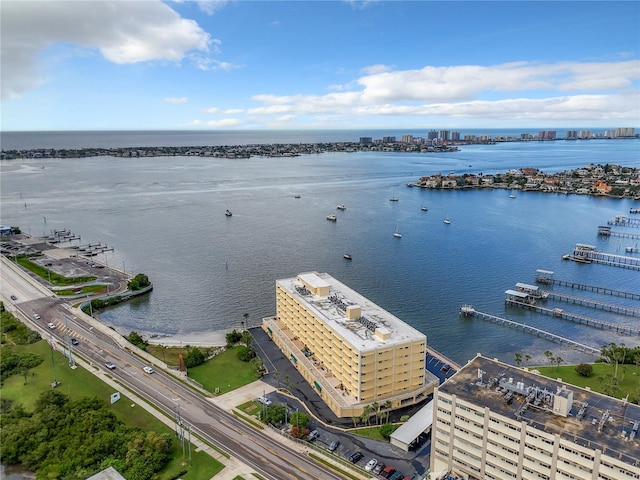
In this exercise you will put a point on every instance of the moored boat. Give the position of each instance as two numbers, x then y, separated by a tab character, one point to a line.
347	256
341	207
228	213
332	218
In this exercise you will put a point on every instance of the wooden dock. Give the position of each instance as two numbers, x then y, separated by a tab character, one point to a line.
607	232
548	280
610	307
588	254
572	317
624	221
469	311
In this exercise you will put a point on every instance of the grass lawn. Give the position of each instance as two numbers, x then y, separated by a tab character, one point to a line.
85	289
630	375
370	432
79	383
169	355
224	372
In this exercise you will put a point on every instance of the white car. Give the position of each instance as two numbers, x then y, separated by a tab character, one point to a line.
36	316
51	325
371	464
147	369
264	400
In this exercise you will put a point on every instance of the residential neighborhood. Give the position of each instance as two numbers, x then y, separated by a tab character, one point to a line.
605	180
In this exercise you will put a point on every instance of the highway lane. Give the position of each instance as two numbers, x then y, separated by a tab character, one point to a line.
253	447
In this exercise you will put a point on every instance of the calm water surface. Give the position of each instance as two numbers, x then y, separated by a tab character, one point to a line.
165	218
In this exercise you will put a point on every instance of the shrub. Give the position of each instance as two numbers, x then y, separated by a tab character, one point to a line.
387	429
584	369
245	353
194	358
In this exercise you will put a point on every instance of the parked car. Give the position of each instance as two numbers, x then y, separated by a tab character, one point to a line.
397	476
446	367
263	399
36	316
370	465
355	457
387	471
14	298
74	341
51	325
147	369
110	365
333	446
313	435
378	468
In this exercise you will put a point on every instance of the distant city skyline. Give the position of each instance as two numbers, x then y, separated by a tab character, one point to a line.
236	65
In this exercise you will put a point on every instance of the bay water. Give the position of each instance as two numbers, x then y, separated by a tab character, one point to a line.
164	216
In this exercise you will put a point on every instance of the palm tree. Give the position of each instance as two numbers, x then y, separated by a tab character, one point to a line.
246	316
247	338
355	421
276	375
518	358
387	406
527	359
375	408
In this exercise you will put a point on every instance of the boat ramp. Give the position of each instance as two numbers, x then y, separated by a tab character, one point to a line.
469	311
546	277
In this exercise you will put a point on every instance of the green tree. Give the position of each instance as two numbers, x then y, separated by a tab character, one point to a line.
518	358
584	369
194	357
549	356
558	360
138	282
245	324
258	366
299	420
247	338
245	353
274	414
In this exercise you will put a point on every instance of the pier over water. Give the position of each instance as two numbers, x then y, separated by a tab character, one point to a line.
469	311
546	278
560	313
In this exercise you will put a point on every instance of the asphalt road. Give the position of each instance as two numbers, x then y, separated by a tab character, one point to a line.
270	459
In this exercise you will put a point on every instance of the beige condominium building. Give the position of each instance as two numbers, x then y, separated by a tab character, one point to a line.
354	353
496	421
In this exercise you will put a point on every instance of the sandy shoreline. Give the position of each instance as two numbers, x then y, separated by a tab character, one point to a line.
194	339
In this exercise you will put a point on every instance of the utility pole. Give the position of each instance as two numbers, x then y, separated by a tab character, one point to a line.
72	362
53	363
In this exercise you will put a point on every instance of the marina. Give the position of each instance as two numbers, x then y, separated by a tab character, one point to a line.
470	312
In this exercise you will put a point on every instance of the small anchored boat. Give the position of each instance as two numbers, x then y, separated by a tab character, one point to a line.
228	213
347	256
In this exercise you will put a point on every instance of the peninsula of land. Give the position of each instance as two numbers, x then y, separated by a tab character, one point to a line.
603	180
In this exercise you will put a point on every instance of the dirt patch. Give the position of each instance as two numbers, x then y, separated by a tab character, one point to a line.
250	408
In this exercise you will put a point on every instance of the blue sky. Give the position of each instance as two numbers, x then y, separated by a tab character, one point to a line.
136	65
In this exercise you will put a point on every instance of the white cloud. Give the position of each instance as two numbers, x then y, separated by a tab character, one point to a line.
375	69
176	100
123	32
212	110
225	122
593	90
